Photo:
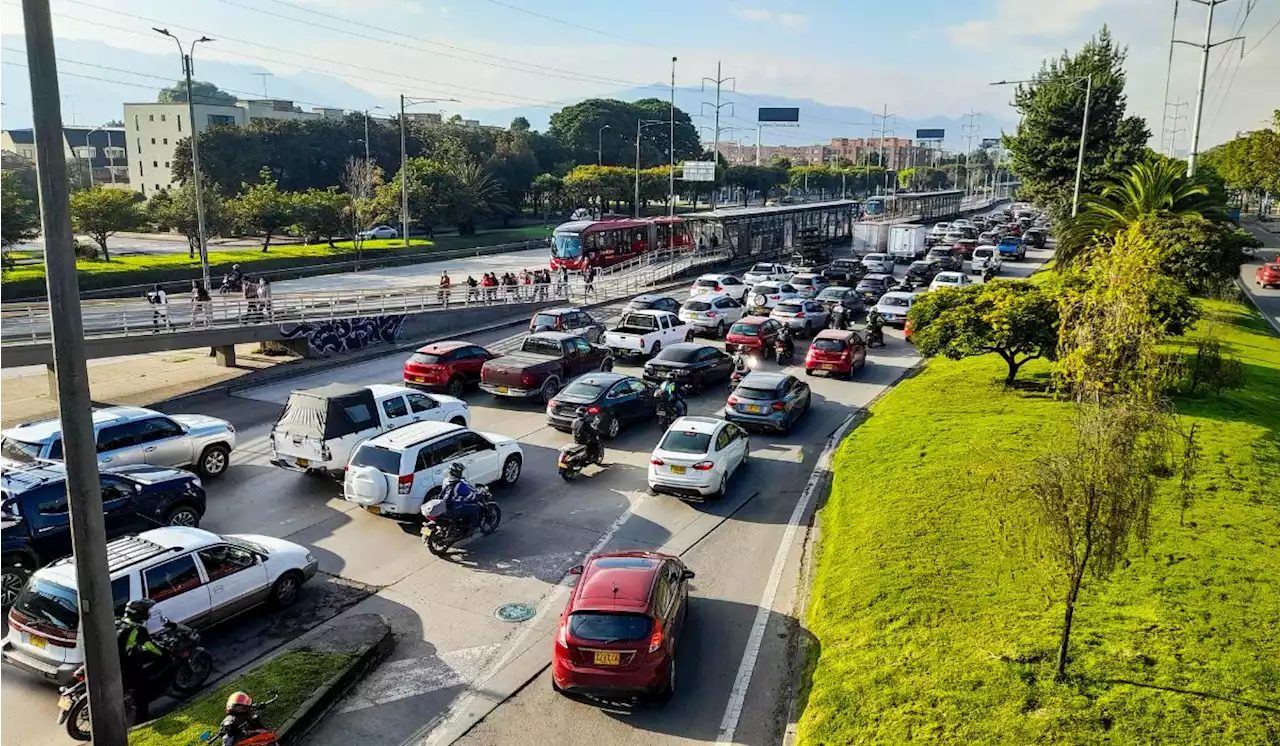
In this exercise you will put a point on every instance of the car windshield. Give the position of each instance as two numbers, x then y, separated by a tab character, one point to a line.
763	269
947	279
895	302
763	289
567	245
870	285
746	330
541	346
19	450
606	627
424	358
49	603
707	283
642	305
697	305
755	394
546	319
679	354
982	254
788	308
832	293
828	345
385	461
802	280
875	258
684	441
584	390
919	267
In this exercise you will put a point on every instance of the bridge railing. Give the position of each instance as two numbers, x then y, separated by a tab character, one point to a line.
31	322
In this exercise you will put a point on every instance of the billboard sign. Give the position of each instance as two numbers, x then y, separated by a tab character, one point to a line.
931	134
990	142
778	114
699	171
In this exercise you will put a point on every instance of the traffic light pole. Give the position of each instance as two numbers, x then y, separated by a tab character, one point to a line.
84	495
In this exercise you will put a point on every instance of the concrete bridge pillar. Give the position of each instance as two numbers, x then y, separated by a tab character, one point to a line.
52	377
225	355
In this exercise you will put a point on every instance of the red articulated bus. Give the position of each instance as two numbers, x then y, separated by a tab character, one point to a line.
602	243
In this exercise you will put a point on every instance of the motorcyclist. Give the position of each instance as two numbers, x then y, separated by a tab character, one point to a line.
234	277
242	719
787	338
669	393
838	320
139	656
740	365
586	432
875	329
460	498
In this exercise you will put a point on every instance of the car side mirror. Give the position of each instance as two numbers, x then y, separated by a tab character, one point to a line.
688	575
575	570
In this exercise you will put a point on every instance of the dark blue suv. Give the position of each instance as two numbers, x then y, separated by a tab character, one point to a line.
37	528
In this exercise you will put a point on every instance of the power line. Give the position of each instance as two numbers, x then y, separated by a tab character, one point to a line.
571	24
1264	37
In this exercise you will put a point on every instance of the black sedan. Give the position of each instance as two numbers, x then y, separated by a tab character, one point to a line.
845	272
847	297
872	287
923	271
620	399
691	364
653	303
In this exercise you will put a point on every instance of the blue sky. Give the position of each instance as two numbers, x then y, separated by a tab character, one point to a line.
920	57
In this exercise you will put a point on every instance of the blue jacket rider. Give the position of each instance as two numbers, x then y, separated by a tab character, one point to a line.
460	498
670	393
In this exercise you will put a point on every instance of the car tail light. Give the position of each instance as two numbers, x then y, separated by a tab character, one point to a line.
657	462
778	406
733	401
526	380
593	409
404	484
798	316
655	640
704	466
563	638
774	297
717	287
711	314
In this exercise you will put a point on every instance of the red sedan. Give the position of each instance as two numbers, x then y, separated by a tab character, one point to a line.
838	353
1268	274
619	631
449	366
753	334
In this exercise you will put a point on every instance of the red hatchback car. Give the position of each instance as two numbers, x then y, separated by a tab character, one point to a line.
753	334
449	366
835	352
1268	274
619	631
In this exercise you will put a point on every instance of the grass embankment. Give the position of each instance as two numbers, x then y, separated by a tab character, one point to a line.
294	676
28	280
930	630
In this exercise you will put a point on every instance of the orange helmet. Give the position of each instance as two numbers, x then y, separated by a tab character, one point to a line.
239	701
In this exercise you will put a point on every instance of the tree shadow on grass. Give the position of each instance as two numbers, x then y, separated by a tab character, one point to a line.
1194	693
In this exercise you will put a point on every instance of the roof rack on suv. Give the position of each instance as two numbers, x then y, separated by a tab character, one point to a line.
129	550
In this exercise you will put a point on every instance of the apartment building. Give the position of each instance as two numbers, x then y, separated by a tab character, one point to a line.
898	152
102	148
740	153
152	132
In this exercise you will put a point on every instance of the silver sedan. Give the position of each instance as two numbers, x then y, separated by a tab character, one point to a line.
804	316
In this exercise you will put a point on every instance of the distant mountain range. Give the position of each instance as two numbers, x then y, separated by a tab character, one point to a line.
90	100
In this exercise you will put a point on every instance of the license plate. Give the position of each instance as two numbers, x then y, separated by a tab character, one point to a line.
304	463
38	642
425	530
418	379
604	658
677	469
828	366
64	703
375	509
502	389
753	409
690	316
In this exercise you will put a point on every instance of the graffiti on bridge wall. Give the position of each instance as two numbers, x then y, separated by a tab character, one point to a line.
345	335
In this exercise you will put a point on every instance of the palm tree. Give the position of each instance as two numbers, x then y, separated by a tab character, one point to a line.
478	196
1153	187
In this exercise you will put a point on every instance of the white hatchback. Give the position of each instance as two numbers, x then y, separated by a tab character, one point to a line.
766	295
950	280
878	263
696	457
712	313
766	272
719	285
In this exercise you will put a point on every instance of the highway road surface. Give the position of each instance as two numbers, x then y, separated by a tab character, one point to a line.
1266	299
457	670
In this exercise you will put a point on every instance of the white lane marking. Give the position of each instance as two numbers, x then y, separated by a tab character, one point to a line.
742	682
412	677
517	644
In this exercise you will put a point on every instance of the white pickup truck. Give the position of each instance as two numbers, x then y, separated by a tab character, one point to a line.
646	332
321	427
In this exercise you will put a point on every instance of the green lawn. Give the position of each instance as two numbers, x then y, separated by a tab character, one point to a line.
119	267
294	676
929	630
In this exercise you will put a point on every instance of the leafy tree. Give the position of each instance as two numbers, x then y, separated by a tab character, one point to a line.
781	162
519	124
478	196
756	179
432	187
1016	320
547	192
100	213
601	184
1204	255
1251	162
262	208
319	213
1044	149
113	123
21	212
202	91
361	179
1148	188
175	209
514	166
578	130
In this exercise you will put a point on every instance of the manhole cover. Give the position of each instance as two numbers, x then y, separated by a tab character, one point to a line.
515	612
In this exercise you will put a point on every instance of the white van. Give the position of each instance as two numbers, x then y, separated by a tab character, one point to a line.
396	472
983	257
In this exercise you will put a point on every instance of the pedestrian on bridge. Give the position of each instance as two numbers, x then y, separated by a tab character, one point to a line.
526	281
159	302
446	284
264	295
589	280
200	304
472	292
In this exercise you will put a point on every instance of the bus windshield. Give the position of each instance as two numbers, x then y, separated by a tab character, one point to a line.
567	246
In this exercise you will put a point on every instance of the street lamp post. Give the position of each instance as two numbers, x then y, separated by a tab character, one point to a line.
641	124
404	159
600	144
88	147
1084	129
366	133
187	72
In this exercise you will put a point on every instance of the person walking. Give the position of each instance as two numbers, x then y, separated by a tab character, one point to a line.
442	294
472	292
563	290
589	280
250	300
200	304
526	281
264	295
158	299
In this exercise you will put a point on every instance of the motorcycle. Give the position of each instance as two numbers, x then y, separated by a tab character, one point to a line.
245	729
575	457
185	668
741	368
784	350
231	285
440	531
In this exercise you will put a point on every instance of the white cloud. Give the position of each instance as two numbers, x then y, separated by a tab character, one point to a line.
760	15
1023	18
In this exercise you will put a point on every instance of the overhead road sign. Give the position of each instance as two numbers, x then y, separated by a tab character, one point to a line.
699	171
931	134
778	114
990	142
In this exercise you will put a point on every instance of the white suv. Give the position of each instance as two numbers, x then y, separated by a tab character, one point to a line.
195	577
394	473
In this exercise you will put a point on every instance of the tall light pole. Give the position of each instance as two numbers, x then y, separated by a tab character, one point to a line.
641	124
88	146
600	144
187	72
1084	127
404	160
111	157
1204	48
83	490
671	177
719	80
366	133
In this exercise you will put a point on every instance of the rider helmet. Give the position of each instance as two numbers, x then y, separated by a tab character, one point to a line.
456	470
138	611
239	703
